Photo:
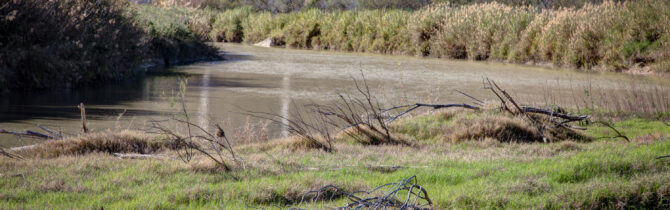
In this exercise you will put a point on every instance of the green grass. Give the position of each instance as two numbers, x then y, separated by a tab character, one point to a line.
604	173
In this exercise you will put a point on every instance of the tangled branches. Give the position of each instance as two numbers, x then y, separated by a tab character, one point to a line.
405	194
557	118
213	145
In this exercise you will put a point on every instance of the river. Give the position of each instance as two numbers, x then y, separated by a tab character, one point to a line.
257	79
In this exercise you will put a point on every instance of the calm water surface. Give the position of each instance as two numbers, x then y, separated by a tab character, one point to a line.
276	80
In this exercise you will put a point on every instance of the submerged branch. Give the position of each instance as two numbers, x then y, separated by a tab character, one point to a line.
28	133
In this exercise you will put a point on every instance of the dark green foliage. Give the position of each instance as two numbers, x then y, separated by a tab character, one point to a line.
47	44
71	43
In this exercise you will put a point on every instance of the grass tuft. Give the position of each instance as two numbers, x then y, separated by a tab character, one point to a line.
106	142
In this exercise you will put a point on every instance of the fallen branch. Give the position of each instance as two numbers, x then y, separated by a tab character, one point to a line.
661	157
9	155
406	194
619	135
141	156
502	101
478	102
52	132
28	133
555	114
417	105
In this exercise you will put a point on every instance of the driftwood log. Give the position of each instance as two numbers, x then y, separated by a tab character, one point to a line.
51	134
141	156
28	133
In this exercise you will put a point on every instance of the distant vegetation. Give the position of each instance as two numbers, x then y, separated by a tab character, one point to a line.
69	43
282	6
609	36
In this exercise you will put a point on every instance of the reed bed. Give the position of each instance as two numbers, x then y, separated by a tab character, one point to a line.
611	36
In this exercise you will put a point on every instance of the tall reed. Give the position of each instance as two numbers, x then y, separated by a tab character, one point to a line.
611	36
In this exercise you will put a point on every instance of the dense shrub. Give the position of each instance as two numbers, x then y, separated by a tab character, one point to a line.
58	43
176	34
68	43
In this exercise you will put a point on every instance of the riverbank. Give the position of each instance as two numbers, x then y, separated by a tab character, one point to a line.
628	37
82	172
75	43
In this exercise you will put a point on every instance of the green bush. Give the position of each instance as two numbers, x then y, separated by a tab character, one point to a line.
176	34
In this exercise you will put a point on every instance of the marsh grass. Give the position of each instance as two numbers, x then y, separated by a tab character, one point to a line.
610	36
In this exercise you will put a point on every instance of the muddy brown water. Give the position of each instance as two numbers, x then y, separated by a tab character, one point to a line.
257	79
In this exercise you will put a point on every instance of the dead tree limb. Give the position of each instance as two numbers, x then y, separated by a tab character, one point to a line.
141	156
478	102
52	132
28	133
417	105
509	98
502	101
619	134
555	114
405	194
8	154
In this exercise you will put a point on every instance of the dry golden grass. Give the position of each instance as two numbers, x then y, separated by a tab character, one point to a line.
453	126
293	143
365	136
125	141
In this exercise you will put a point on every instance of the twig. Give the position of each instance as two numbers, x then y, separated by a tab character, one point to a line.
472	97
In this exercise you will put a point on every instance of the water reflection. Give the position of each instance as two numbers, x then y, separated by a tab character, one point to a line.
285	101
204	100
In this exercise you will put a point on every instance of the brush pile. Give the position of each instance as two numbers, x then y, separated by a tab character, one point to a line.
405	194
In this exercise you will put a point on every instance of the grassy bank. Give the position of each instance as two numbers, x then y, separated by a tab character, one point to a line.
71	43
611	36
478	173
